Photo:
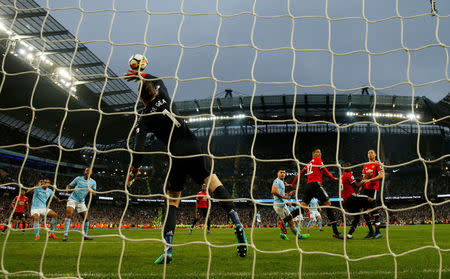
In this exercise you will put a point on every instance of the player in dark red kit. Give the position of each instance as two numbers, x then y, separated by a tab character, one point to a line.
314	188
353	202
19	210
159	118
201	209
372	175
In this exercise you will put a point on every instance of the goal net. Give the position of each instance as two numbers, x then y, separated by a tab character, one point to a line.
261	85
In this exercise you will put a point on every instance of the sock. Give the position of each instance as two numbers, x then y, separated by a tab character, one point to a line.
368	222
294	231
309	224
52	225
332	219
66	226
169	228
222	193
23	226
195	222
282	227
320	224
36	228
354	224
86	227
208	224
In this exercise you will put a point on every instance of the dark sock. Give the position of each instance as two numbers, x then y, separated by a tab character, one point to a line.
281	225
332	219
354	224
169	228
193	223
222	193
368	222
208	224
23	226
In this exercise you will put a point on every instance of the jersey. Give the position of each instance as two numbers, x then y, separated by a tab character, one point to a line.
21	202
258	217
81	186
159	119
281	189
314	205
314	173
347	189
40	197
201	202
371	170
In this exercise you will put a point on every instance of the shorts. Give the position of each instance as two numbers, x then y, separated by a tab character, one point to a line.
282	212
40	211
371	193
198	168
356	203
314	214
19	215
202	211
314	190
79	206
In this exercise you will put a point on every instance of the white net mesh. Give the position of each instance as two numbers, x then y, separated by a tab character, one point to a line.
295	48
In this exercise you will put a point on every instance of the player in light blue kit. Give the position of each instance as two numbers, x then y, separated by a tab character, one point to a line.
81	185
314	214
41	194
258	219
279	205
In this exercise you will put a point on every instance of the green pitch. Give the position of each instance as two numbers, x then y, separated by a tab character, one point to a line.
100	257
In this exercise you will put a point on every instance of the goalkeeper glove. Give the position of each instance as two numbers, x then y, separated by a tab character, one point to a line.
132	176
132	75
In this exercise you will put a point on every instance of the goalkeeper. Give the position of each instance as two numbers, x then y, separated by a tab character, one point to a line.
159	118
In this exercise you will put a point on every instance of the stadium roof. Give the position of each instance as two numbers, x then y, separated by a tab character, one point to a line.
30	28
27	29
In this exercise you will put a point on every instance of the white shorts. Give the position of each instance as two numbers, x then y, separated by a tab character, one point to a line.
282	212
313	215
79	206
40	211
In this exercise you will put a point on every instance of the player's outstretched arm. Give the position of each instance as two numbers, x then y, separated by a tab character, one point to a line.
327	173
276	193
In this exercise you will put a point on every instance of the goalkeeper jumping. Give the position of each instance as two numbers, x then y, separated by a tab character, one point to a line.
158	118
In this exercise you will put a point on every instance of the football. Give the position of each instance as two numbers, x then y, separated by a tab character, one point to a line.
138	62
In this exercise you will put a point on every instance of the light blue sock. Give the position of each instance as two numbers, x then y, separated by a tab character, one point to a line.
320	224
294	231
66	226
309	224
52	225
86	227
36	228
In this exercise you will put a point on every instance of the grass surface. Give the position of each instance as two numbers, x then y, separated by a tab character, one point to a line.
416	255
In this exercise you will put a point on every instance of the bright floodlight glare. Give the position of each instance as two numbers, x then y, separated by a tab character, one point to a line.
64	73
22	51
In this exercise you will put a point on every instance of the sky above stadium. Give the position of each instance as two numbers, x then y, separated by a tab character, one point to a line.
274	49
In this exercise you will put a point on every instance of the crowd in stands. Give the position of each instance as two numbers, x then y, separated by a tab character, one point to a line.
246	177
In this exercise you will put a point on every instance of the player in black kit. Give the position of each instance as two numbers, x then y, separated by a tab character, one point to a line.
160	119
